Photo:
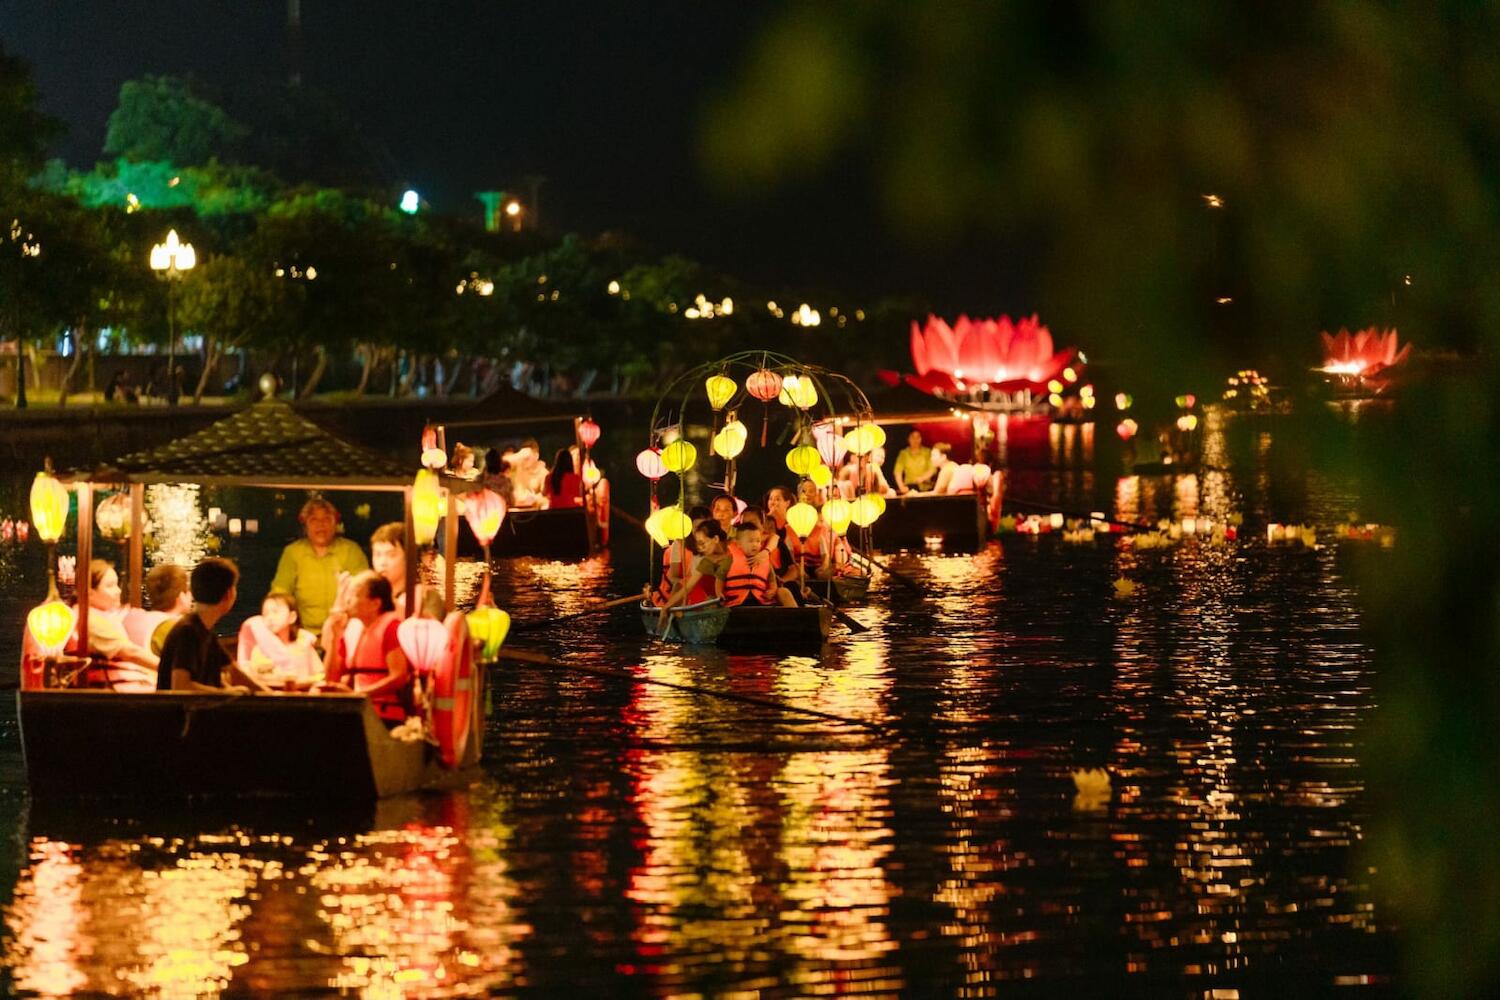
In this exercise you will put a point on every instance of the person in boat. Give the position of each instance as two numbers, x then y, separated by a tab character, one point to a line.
953	477
809	493
495	477
704	579
375	666
676	559
750	578
722	510
311	567
463	464
192	658
565	483
167	593
914	471
784	565
529	475
273	644
128	665
388	558
863	474
778	502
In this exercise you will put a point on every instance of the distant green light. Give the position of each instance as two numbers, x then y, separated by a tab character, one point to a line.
410	202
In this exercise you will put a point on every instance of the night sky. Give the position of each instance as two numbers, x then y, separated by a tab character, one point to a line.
604	100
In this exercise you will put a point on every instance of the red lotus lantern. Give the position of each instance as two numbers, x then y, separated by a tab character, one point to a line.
588	433
649	464
993	352
423	640
1363	354
484	511
764	385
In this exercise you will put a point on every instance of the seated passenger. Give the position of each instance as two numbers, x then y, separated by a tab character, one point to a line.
375	666
129	666
710	566
192	658
953	477
750	578
168	597
274	646
565	483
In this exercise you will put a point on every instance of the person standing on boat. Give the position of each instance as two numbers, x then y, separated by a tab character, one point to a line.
375	667
914	468
310	567
192	658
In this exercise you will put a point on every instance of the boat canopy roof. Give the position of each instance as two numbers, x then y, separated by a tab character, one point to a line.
511	406
904	403
268	444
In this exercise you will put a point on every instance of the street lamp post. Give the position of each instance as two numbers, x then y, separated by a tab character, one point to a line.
171	260
30	246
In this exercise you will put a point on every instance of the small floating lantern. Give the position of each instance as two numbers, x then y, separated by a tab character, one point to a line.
1126	429
1187	422
49	507
721	389
236	526
649	464
1123	401
803	517
679	456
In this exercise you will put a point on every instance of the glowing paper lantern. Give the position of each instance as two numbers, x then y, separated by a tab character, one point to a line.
426	506
1126	429
803	517
821	476
434	458
830	445
591	473
721	390
588	433
654	528
648	463
803	459
484	511
866	509
798	391
1123	400
1187	422
49	507
490	626
730	441
113	517
423	640
679	456
675	524
865	438
764	385
50	625
838	513
429	437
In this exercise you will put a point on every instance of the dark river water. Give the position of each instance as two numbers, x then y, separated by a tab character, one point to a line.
630	839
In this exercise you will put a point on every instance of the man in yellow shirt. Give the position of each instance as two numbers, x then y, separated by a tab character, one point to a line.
914	468
311	567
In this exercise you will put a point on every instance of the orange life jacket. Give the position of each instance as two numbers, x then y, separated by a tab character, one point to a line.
367	668
746	583
664	589
702	591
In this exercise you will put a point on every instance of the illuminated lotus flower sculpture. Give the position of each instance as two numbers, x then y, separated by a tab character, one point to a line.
1363	354
994	352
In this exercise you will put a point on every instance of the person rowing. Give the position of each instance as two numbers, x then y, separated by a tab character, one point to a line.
709	569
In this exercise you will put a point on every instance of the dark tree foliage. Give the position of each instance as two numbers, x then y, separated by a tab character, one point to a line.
164	118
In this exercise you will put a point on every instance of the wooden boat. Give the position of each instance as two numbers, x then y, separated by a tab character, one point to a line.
745	625
694	624
562	533
175	744
949	523
851	589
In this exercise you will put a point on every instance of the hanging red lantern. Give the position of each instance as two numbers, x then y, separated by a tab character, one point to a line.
484	511
764	385
588	433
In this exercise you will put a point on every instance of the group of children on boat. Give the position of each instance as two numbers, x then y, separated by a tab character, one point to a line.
328	622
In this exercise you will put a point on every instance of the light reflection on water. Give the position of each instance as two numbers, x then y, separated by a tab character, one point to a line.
635	838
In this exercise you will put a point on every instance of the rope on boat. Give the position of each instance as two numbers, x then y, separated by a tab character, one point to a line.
540	659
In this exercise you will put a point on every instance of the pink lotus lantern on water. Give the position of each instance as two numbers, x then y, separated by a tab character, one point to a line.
1363	354
997	353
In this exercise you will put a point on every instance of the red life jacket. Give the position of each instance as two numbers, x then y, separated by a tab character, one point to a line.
664	588
812	549
367	668
746	584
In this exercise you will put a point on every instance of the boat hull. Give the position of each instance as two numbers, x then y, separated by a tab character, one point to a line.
562	533
956	523
174	744
745	626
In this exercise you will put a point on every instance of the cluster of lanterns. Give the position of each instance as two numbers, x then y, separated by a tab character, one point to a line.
1248	387
1187	422
51	622
1382	534
1297	535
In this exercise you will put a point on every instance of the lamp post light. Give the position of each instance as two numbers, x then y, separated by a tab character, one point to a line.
171	260
29	246
513	212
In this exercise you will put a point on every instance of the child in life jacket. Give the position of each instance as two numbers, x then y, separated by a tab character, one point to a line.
273	645
709	567
750	578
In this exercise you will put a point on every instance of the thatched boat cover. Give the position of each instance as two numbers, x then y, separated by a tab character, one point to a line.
266	444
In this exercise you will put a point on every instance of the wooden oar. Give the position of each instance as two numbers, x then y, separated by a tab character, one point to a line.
632	599
541	659
900	578
849	621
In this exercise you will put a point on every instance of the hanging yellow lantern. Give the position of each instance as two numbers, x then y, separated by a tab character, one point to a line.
803	517
675	524
798	391
653	528
49	507
803	459
721	390
426	506
679	456
837	513
864	439
51	624
113	517
730	441
821	476
591	473
490	626
867	509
